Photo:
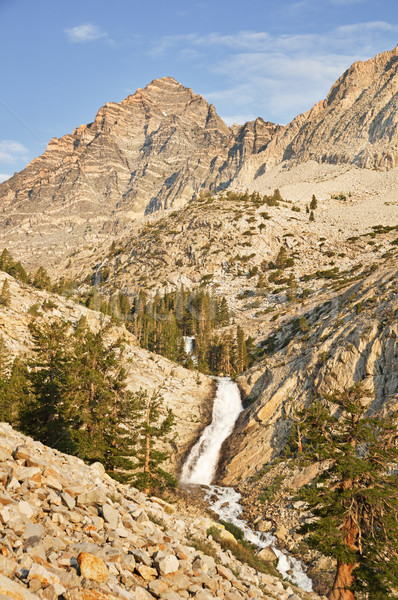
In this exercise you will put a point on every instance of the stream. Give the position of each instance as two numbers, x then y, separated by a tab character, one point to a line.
200	468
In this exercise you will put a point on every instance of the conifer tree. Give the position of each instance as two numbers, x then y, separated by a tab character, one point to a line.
46	415
312	216
18	390
314	202
41	280
5	294
241	358
153	424
4	363
354	498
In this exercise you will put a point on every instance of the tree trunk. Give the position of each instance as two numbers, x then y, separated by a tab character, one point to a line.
147	449
345	571
343	580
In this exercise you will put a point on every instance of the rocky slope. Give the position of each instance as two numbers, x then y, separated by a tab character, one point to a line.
189	397
330	345
70	531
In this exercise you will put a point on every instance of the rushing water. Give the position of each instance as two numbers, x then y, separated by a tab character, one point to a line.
200	468
188	343
201	464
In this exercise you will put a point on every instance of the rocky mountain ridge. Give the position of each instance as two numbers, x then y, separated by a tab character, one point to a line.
162	146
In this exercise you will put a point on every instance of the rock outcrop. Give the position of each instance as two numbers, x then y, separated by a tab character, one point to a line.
356	124
352	338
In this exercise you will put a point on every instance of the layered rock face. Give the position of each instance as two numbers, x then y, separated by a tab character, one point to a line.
156	149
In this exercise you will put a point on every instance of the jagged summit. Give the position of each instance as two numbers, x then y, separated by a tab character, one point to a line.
356	124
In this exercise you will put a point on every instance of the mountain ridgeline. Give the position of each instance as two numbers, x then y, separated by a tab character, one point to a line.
163	145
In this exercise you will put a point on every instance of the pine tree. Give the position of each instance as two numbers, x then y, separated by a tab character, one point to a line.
241	358
41	280
5	412
354	498
312	216
18	390
46	414
223	313
5	295
314	202
153	424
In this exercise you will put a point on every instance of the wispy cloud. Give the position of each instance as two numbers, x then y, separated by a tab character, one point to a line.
4	177
239	119
285	74
11	151
346	2
85	33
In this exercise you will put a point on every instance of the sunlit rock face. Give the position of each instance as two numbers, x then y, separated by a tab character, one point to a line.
156	149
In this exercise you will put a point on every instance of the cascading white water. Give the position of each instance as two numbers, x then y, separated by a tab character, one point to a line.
188	343
200	468
202	461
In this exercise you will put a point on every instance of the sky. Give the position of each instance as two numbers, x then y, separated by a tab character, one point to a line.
61	61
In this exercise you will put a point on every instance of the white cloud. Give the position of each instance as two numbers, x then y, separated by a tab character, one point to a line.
85	33
4	177
239	119
283	74
10	151
346	2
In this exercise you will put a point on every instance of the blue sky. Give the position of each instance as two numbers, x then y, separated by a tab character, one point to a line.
61	61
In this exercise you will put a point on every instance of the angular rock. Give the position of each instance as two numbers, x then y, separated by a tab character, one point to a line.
14	590
168	564
111	515
93	497
43	575
267	554
92	567
147	573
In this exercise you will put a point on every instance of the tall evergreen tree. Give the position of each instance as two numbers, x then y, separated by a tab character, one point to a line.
153	424
46	415
354	498
5	411
5	294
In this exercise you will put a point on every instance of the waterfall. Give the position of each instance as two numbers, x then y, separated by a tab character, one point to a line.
202	461
188	343
200	468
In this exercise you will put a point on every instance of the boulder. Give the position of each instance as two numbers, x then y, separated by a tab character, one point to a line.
267	554
92	567
168	564
111	515
93	497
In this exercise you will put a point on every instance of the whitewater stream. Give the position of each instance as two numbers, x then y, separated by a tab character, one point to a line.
200	468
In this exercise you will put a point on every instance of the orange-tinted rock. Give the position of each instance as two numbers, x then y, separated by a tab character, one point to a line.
92	567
